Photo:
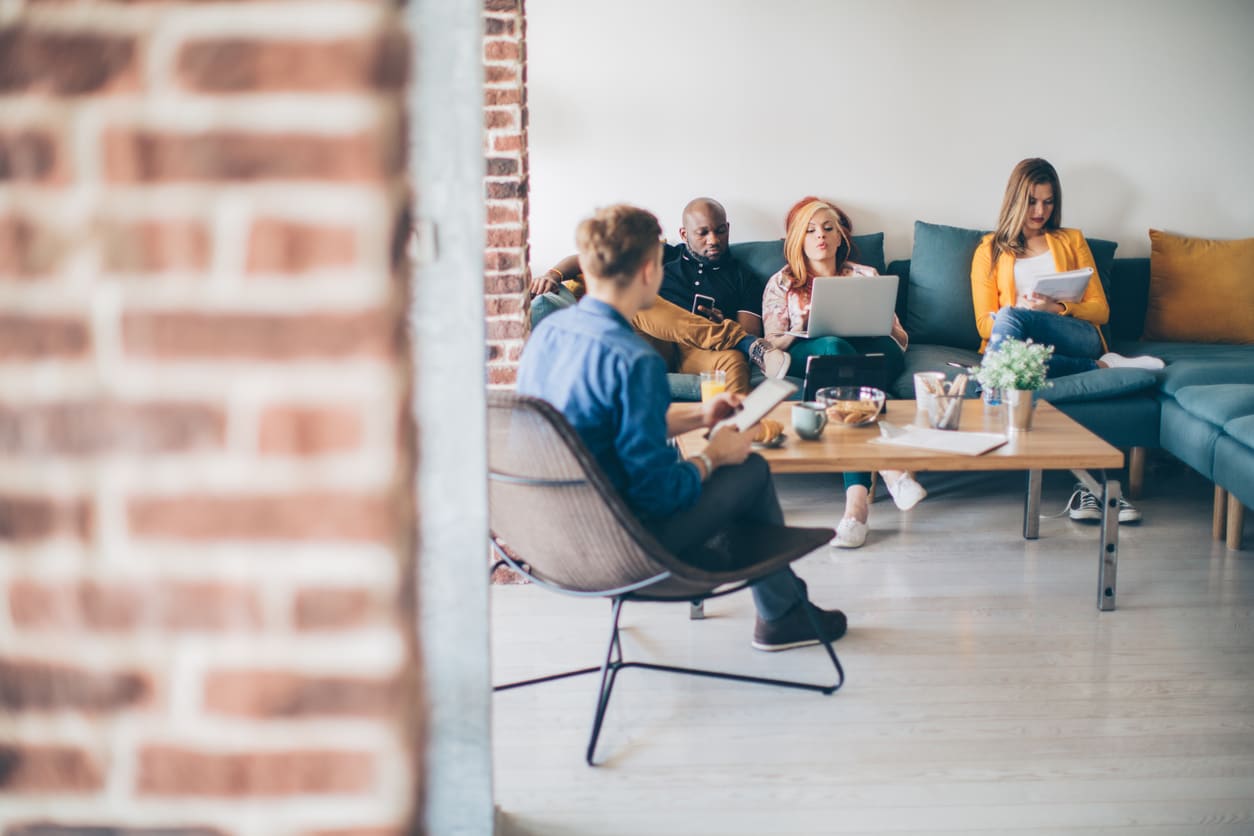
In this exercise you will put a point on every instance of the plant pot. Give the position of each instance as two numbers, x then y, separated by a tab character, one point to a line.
1019	409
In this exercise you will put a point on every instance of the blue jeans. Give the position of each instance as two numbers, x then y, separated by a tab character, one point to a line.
742	492
1077	344
894	364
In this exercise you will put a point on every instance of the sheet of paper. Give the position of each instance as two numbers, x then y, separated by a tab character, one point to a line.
945	441
758	404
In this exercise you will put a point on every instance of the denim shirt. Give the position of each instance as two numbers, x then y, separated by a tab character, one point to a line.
611	386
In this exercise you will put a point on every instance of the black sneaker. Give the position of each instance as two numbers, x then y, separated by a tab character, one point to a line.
1086	507
793	629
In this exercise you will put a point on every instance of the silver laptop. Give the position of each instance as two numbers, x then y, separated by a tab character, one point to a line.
851	306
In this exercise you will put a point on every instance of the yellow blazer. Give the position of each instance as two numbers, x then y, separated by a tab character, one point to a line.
993	290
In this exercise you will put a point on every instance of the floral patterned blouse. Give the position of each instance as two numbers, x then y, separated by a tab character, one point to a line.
785	308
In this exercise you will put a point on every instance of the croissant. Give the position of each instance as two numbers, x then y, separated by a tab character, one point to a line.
768	430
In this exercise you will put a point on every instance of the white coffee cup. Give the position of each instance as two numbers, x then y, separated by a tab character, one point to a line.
922	394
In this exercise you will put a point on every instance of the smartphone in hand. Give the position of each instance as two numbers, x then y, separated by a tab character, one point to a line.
700	300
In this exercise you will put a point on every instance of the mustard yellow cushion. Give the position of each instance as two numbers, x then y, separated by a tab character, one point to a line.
1200	290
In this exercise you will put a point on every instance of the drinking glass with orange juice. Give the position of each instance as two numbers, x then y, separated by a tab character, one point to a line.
713	383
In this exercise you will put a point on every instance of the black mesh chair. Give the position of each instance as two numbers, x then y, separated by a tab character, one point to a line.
557	520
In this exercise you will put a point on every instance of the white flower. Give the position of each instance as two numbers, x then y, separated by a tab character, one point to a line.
1014	364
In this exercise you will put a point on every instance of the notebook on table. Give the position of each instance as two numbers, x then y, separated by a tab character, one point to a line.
851	306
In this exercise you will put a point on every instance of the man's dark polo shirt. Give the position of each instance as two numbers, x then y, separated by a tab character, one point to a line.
685	275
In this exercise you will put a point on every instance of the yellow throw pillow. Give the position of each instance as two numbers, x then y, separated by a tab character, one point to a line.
1200	291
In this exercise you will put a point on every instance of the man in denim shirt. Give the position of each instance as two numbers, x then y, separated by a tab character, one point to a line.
611	386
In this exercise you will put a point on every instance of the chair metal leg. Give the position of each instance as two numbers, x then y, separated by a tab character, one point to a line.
609	672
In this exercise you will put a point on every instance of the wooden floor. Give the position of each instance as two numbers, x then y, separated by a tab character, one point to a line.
985	693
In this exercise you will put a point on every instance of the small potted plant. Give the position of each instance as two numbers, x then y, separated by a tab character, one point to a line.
1016	369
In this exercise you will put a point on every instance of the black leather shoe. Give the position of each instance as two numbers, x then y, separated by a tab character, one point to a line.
793	629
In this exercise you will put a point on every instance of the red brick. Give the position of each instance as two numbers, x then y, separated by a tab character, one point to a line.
28	249
335	608
502	50
30	155
27	685
143	156
234	65
499	25
281	694
501	167
309	430
505	189
173	771
497	96
94	427
42	337
66	63
38	768
500	118
156	246
27	518
278	246
505	214
507	238
503	305
505	329
260	337
128	606
498	261
309	516
508	283
508	142
502	375
498	74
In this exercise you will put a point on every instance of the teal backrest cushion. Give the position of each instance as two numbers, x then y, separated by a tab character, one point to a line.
938	301
762	259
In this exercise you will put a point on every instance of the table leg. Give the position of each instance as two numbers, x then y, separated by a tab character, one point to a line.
1032	507
1108	556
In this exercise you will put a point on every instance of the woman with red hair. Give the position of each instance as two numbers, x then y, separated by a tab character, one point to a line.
819	242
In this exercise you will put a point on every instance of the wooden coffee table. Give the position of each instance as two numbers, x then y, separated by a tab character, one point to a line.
1055	442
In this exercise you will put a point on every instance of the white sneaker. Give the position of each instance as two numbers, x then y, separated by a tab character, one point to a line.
906	492
773	362
1118	361
850	534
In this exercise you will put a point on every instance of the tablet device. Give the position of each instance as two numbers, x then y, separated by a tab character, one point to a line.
844	370
1065	287
757	404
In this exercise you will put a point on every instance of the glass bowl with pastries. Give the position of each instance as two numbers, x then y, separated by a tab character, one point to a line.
768	433
851	406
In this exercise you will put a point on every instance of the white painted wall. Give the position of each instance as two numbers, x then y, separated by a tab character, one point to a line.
898	109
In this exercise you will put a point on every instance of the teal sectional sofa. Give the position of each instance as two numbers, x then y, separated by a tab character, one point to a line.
1200	408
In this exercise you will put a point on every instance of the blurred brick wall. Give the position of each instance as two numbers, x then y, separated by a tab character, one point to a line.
205	476
505	185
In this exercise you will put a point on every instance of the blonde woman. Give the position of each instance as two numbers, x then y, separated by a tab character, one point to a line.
1030	241
819	242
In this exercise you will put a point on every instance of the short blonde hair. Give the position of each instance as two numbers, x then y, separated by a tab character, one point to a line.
616	242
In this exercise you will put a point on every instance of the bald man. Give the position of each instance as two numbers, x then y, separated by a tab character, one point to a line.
714	316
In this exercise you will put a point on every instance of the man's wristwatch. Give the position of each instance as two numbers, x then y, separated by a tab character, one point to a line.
705	461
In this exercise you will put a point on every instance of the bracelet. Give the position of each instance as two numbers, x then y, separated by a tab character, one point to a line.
705	460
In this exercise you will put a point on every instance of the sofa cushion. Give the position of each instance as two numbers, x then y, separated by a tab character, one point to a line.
925	357
1097	385
938	306
1219	403
762	259
1200	290
1242	430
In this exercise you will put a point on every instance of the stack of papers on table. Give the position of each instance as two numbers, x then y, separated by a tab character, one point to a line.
945	441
